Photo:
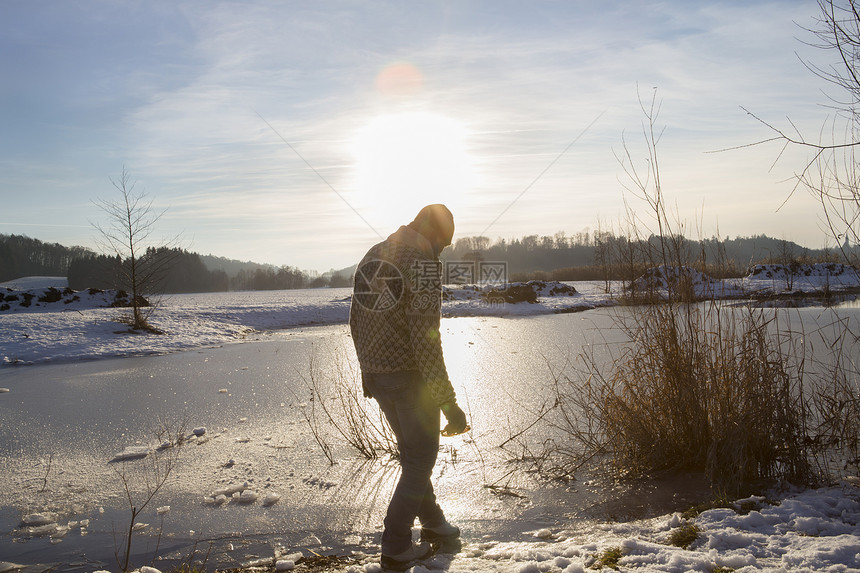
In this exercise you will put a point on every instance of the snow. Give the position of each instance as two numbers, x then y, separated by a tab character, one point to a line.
811	530
814	530
83	325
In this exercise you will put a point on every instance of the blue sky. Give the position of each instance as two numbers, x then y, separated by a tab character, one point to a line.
395	105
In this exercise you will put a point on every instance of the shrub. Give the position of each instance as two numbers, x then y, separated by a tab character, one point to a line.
51	295
699	387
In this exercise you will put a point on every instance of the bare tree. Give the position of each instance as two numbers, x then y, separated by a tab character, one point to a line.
131	221
602	255
787	257
830	173
665	244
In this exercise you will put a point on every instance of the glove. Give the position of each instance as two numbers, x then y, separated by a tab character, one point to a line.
456	419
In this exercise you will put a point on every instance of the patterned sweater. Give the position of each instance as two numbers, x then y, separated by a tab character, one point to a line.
395	311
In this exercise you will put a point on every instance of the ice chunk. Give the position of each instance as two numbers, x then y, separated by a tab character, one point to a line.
248	496
310	540
40	530
60	532
148	569
162	510
37	519
230	490
132	453
261	562
284	565
271	499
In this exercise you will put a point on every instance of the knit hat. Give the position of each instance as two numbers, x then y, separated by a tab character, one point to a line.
436	223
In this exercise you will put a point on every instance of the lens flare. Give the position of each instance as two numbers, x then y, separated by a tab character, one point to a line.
399	79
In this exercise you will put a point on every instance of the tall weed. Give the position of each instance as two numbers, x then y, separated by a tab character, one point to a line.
337	406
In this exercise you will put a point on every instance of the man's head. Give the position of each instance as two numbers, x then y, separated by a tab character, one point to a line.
436	224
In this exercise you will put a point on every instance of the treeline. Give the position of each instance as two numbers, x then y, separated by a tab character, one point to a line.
583	256
591	255
170	270
21	256
181	271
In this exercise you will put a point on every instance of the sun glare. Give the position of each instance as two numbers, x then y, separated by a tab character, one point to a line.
407	160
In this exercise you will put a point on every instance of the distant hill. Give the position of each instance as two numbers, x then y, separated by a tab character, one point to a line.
232	266
565	258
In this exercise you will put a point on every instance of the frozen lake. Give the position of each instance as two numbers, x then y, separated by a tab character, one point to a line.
64	423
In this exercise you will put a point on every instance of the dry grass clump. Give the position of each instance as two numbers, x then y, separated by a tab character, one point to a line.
684	536
609	558
705	388
699	387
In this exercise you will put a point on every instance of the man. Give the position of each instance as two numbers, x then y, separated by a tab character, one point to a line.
394	320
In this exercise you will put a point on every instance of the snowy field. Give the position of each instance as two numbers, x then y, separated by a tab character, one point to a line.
811	530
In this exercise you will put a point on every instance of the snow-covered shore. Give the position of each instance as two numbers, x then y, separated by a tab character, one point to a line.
815	530
41	320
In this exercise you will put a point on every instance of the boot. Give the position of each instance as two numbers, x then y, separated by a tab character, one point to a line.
439	532
401	561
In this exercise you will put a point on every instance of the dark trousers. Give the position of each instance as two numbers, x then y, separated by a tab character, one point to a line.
411	413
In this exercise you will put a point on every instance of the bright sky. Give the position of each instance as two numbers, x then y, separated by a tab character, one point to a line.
301	132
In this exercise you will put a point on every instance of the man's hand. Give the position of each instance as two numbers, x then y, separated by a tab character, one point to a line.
456	419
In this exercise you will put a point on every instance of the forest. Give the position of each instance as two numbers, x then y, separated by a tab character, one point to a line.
583	256
603	255
177	270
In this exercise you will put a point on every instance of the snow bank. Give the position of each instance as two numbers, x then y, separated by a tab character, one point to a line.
52	299
804	278
761	280
685	280
25	283
815	530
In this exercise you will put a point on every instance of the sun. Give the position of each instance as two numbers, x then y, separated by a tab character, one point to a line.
406	160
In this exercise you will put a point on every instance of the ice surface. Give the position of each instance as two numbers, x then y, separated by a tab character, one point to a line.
814	530
132	453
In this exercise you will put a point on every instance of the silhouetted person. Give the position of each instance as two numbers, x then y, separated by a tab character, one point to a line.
394	320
